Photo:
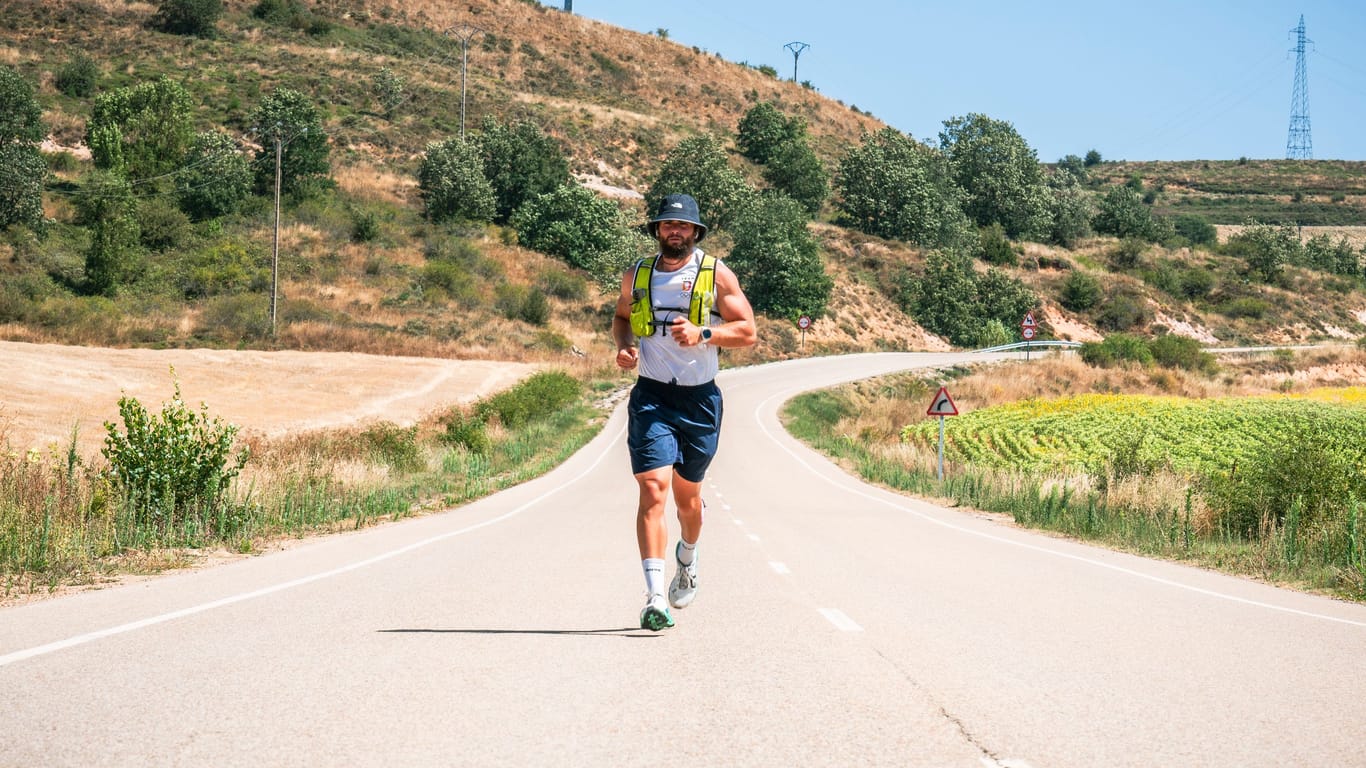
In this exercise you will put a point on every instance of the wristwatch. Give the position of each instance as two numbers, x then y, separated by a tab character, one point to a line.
706	336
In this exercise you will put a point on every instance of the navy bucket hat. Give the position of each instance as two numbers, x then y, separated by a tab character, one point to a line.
677	208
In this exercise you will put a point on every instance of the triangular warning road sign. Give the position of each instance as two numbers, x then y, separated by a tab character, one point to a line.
942	404
1028	321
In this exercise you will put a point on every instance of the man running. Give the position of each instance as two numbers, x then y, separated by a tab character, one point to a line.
681	305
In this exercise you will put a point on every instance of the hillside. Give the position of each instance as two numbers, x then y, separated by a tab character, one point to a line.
617	101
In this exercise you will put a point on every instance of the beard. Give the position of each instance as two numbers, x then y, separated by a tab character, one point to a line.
676	247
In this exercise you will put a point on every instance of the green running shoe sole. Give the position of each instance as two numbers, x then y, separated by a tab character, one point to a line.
654	620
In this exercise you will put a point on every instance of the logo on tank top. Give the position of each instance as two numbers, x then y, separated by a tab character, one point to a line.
687	286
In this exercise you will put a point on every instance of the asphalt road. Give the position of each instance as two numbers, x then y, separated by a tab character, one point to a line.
835	624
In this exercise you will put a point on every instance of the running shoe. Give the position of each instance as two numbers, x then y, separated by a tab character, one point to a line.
655	616
684	585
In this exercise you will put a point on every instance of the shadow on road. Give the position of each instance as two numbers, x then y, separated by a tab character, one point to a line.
622	632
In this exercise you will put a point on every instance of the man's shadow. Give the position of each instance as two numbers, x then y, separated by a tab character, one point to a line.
631	632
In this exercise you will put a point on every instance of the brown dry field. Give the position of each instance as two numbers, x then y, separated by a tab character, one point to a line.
49	390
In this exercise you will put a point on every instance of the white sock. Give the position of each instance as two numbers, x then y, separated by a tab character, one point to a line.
654	575
686	552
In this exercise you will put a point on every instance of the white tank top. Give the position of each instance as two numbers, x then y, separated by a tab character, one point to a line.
661	358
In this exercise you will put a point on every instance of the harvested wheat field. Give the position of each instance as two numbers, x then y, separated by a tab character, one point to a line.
49	390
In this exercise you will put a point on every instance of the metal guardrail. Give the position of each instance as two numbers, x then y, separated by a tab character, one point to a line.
1032	345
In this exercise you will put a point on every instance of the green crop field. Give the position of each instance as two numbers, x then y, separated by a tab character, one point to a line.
1091	432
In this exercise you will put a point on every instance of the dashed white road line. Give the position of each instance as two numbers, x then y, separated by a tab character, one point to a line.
842	622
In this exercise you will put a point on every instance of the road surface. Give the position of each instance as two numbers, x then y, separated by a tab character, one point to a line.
835	624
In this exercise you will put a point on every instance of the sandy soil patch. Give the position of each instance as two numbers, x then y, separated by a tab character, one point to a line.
48	390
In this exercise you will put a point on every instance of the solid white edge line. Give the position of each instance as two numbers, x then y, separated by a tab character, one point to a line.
1033	547
88	637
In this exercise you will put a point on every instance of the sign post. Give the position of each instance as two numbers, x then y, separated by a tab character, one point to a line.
803	323
941	406
1027	328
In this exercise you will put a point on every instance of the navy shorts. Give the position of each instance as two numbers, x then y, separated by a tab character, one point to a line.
673	425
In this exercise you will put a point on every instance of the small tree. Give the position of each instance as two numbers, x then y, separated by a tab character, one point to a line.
999	174
778	261
188	17
289	116
1069	210
143	130
896	187
698	167
521	162
388	90
585	231
452	183
21	118
1266	249
22	175
216	178
795	171
1092	158
763	130
106	205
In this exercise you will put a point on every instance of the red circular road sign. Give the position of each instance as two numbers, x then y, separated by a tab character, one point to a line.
1027	332
804	322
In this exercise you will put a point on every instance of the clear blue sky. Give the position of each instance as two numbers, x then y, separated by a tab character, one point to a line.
1161	80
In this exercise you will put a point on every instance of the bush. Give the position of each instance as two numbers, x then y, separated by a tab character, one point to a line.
1197	283
172	465
452	182
1196	229
1172	351
994	247
1122	312
188	17
466	431
1115	349
364	226
1080	292
536	399
162	226
518	302
216	178
1246	306
77	77
394	445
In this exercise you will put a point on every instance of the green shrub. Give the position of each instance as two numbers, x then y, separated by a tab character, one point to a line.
536	399
519	302
364	226
162	226
563	285
77	77
994	247
188	17
394	445
1122	312
1173	351
1115	349
1197	283
1245	306
466	431
1196	229
230	319
1080	292
175	464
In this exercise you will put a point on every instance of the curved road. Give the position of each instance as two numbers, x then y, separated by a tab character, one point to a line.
835	624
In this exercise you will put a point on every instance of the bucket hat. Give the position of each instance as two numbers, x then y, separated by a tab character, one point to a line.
677	208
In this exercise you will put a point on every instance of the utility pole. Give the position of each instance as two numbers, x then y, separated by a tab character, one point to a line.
464	33
275	251
280	140
796	48
1300	145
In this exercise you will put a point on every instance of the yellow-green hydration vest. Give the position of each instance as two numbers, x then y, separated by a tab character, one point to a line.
643	321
